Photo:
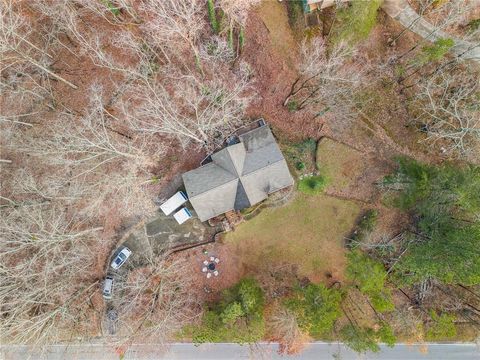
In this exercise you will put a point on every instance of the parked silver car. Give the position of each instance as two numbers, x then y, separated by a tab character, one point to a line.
121	257
108	287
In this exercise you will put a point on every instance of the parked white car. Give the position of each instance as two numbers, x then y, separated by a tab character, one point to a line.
108	287
121	257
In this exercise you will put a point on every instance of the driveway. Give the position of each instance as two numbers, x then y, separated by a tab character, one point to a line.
147	240
162	234
401	11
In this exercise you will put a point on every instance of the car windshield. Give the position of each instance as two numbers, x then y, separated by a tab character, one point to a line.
120	258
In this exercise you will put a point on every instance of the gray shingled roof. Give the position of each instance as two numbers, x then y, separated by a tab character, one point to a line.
239	175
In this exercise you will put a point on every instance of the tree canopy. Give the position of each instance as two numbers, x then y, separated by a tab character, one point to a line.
316	308
237	317
445	204
369	276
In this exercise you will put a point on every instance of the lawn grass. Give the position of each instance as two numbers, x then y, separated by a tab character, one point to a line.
308	232
338	163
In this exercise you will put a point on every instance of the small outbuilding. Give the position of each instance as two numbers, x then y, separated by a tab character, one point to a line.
174	203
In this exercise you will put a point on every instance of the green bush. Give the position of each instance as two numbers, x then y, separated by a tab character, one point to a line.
307	146
295	11
359	339
445	203
385	334
212	16
300	165
241	38
230	37
292	106
363	339
443	327
312	185
113	9
365	226
237	317
434	52
316	308
474	25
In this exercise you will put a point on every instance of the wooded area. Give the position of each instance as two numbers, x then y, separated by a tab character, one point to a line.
103	103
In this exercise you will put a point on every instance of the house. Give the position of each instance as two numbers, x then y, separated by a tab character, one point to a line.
238	176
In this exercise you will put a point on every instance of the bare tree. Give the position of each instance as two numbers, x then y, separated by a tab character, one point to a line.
216	49
89	147
327	82
283	327
15	45
449	110
117	50
201	111
41	292
155	300
174	24
237	10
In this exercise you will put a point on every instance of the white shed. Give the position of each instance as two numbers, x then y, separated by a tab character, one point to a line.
174	203
182	215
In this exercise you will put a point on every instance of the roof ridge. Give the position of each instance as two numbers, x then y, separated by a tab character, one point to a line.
231	157
231	161
261	168
216	187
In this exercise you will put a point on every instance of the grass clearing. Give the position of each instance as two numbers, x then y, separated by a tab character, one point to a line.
308	232
338	163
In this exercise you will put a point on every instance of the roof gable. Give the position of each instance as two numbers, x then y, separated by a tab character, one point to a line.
206	178
216	201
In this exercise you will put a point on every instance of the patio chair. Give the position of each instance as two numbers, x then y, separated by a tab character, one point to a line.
215	273
204	269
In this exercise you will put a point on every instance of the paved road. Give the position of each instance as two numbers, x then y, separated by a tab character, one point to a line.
315	351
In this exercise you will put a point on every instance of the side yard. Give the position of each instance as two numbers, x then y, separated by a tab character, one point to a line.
300	233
